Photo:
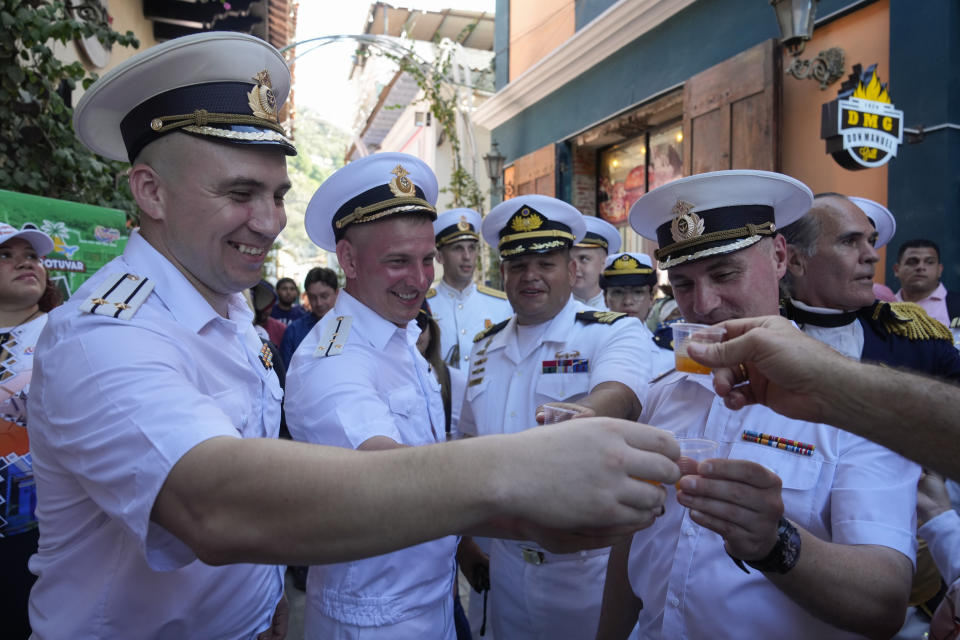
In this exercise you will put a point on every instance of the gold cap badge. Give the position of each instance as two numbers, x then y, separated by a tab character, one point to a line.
526	220
401	185
262	100
463	225
686	224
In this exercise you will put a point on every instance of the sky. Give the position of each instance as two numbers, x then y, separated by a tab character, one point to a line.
321	73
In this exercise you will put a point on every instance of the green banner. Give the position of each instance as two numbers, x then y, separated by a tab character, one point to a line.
85	237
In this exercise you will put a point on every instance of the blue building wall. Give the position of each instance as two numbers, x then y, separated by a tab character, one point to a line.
924	178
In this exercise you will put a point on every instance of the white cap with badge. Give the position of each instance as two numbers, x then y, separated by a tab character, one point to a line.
532	224
222	86
370	189
716	213
455	225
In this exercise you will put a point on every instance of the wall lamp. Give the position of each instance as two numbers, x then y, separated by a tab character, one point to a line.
796	19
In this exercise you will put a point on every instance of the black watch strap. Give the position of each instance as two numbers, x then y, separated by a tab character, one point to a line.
783	556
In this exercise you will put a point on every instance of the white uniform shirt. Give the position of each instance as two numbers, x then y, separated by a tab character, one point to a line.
114	405
598	302
461	315
379	386
850	491
506	384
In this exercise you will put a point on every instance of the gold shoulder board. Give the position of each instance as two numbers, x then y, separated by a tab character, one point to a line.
490	291
431	292
489	331
603	317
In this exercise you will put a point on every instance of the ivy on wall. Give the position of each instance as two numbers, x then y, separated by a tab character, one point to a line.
39	152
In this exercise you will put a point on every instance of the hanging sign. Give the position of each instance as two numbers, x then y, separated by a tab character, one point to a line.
861	127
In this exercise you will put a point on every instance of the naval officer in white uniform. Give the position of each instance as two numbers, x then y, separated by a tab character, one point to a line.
554	350
461	307
589	254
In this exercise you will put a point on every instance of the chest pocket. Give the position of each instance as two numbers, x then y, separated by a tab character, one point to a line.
558	387
799	475
410	415
237	407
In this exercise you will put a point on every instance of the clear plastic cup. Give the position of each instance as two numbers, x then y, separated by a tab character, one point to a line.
553	415
683	334
693	451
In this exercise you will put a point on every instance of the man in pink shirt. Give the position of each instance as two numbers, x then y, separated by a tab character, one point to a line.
918	268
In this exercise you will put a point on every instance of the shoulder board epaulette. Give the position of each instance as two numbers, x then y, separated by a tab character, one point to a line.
431	292
489	331
490	291
334	336
119	296
603	317
910	321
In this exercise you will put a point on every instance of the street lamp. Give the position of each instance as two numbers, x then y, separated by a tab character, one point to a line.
494	161
796	20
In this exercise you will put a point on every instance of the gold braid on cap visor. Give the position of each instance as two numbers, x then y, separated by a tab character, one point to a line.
200	120
536	234
590	243
639	271
746	236
376	210
458	236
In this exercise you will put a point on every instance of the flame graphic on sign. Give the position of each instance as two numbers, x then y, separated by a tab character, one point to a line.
873	91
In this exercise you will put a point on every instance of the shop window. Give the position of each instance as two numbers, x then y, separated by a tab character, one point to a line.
630	168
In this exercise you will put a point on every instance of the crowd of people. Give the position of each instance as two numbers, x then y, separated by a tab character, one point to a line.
166	505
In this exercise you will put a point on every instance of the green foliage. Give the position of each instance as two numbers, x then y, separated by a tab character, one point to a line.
320	151
442	98
39	153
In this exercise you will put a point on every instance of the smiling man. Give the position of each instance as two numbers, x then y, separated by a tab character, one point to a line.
553	350
829	281
166	503
358	381
827	530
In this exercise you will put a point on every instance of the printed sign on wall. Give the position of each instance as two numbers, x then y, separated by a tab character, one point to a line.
862	128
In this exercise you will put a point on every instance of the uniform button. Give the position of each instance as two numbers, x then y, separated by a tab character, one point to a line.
463	331
459	306
513	414
466	357
689	531
674	601
518	373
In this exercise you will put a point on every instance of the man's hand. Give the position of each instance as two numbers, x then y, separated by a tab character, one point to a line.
278	626
586	473
579	410
738	499
932	497
785	370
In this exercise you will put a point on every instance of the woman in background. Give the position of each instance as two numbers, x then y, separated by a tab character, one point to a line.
26	295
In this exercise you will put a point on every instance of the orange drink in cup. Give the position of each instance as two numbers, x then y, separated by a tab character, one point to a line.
683	334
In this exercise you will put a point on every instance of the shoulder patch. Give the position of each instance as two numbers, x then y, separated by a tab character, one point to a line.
431	292
334	337
119	296
489	331
910	321
490	291
603	317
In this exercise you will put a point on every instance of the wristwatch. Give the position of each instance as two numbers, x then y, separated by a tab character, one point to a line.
784	554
